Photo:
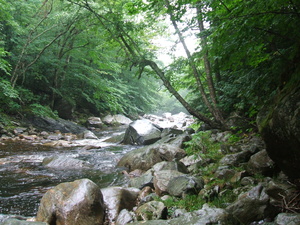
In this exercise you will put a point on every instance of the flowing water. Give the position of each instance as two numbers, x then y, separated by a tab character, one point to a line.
24	180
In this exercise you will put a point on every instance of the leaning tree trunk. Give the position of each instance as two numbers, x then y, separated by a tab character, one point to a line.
213	108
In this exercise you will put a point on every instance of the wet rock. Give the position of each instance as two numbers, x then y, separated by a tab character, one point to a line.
152	211
64	162
288	219
252	206
162	178
89	135
185	184
141	132
60	143
261	163
144	158
77	203
118	198
279	126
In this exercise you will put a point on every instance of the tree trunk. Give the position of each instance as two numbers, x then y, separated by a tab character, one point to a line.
171	89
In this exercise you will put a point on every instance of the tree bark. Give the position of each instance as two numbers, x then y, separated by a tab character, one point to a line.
171	89
208	71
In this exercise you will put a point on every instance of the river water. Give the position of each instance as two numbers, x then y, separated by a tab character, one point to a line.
24	180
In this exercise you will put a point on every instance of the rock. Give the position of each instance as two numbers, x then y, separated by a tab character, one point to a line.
190	160
173	165
281	192
177	140
60	143
118	198
65	108
87	134
162	178
152	211
206	215
146	191
64	162
261	163
77	203
52	125
288	219
236	159
142	181
19	130
252	206
121	119
116	119
224	174
125	217
247	181
141	132
279	125
109	120
148	198
185	184
21	222
144	158
94	122
171	132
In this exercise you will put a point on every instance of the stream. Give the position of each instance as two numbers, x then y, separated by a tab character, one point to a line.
24	180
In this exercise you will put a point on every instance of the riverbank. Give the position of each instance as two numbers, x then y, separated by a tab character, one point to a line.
214	177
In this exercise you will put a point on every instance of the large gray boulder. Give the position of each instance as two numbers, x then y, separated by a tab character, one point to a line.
118	198
141	132
252	206
52	125
72	203
161	180
144	158
261	163
185	184
279	125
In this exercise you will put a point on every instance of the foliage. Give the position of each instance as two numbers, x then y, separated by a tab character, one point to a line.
189	203
42	111
201	144
96	54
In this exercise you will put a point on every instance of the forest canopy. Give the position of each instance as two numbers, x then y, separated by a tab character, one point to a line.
98	57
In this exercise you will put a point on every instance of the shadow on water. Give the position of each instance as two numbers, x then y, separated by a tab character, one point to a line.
24	180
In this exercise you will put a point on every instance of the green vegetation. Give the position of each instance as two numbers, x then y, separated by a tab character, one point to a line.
99	57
